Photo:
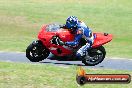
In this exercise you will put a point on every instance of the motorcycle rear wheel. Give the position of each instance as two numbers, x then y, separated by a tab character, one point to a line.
36	52
94	56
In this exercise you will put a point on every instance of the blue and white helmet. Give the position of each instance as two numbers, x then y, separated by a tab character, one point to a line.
71	22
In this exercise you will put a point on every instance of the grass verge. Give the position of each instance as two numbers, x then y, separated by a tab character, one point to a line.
23	75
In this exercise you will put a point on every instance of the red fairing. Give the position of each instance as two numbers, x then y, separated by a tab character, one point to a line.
101	39
65	35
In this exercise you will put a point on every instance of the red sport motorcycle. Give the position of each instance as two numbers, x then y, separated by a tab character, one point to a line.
48	41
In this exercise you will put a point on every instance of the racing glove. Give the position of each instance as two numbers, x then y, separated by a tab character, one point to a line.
61	42
57	41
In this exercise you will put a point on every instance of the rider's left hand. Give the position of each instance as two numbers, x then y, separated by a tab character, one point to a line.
61	43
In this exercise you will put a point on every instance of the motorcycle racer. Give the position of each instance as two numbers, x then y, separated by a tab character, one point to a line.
80	30
77	43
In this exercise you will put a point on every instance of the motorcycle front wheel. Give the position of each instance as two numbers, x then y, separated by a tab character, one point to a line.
94	56
36	52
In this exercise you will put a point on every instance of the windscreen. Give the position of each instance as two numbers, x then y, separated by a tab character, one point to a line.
53	27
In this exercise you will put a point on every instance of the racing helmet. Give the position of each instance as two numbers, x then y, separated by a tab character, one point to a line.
71	22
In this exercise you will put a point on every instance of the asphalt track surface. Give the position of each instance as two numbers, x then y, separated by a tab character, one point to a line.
116	63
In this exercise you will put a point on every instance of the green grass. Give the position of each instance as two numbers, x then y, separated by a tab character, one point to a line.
20	21
20	75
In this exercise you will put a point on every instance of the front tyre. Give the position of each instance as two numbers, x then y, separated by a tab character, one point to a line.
94	56
36	51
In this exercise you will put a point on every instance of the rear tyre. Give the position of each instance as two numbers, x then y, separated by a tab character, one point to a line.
94	56
36	51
